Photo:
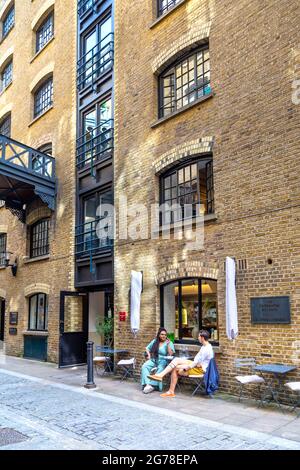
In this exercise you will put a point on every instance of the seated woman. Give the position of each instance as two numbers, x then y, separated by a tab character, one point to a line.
157	352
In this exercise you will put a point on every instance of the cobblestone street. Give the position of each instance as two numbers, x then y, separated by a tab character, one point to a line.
37	414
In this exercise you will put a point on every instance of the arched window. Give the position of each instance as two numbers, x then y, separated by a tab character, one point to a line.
43	97
188	306
166	5
45	32
38	312
8	21
184	82
6	75
39	238
5	125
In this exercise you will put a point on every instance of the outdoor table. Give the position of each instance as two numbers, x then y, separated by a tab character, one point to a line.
110	351
275	382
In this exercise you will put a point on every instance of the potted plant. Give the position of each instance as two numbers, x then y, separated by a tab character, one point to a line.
105	328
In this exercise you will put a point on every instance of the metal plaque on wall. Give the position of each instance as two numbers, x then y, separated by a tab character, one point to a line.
13	331
270	310
13	318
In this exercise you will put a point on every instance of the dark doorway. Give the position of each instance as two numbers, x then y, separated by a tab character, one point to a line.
73	328
2	319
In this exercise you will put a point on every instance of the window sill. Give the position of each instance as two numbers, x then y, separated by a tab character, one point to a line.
184	224
182	110
28	260
167	13
40	115
35	333
41	50
6	88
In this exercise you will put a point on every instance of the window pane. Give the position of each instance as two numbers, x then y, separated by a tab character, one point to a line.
45	32
8	22
43	98
210	307
90	209
5	126
190	309
170	309
203	190
32	312
2	248
41	312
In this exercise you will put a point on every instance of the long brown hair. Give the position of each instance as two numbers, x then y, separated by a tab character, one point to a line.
155	346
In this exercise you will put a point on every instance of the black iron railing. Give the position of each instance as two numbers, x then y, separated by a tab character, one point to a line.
96	62
92	237
96	144
26	159
165	5
85	5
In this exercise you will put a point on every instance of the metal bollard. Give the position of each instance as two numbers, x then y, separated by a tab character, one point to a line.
90	366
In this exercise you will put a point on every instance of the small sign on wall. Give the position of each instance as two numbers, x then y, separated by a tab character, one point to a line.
13	318
270	310
122	316
13	331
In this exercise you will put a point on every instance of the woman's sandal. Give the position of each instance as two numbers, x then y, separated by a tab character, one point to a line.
155	377
168	395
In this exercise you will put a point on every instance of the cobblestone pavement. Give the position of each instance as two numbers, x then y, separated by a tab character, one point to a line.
37	414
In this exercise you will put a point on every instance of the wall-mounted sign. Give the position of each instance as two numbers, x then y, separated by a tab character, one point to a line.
13	331
13	318
122	316
270	310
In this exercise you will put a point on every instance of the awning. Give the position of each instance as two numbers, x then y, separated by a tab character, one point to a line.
231	303
25	174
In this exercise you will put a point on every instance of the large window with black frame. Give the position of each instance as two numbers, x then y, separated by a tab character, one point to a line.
187	191
96	140
5	125
8	21
2	247
189	305
45	32
39	238
184	82
163	6
96	229
97	49
6	76
43	97
38	312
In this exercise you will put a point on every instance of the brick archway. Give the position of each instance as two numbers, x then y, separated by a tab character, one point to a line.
36	289
187	269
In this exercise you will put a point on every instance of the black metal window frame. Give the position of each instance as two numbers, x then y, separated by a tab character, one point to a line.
84	6
39	238
3	241
43	97
6	75
200	310
36	316
181	186
183	83
45	32
8	21
98	61
5	126
163	6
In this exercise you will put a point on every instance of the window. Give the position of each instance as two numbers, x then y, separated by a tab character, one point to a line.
187	191
45	32
185	82
38	312
189	305
84	5
8	22
2	248
96	236
43	98
6	76
5	126
166	5
38	162
39	238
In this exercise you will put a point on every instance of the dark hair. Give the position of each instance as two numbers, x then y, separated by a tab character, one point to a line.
155	346
205	334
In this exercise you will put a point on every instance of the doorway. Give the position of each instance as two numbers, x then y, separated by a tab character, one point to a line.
2	319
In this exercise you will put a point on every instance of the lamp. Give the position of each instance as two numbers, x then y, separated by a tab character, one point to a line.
14	266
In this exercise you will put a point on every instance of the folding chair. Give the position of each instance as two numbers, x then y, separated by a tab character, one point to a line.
247	363
128	368
198	381
294	387
102	362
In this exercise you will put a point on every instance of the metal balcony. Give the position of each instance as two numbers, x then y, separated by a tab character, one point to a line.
25	174
96	62
91	238
96	144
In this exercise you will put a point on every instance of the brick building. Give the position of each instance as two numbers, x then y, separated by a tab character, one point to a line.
204	113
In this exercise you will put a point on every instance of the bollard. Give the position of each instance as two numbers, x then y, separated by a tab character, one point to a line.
90	366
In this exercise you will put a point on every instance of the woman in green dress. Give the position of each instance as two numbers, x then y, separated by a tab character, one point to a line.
157	353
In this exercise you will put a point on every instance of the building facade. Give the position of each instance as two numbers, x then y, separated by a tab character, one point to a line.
38	103
204	116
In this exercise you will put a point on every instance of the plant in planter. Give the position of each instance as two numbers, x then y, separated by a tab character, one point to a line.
105	328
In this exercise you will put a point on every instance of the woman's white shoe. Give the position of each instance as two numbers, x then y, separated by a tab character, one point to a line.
148	389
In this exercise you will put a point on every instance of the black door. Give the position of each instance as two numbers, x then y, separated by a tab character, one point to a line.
2	319
73	328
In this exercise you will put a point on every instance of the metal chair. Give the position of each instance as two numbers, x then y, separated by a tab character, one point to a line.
294	387
103	363
128	368
243	380
198	381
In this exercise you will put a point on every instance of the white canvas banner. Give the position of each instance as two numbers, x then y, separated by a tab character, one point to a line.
231	303
136	284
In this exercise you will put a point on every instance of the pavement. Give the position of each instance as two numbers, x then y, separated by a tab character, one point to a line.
43	407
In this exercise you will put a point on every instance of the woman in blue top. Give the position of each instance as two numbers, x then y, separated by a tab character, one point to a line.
157	352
